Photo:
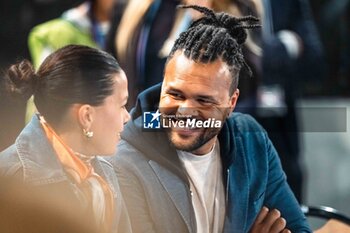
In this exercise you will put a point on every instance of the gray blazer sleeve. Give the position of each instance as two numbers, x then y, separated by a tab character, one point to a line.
134	197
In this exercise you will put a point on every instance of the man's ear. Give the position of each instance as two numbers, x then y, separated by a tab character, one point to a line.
86	115
233	100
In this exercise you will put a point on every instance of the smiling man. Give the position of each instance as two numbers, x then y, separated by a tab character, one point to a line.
197	176
199	91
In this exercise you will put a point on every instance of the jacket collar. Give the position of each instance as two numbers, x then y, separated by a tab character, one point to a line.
227	139
39	161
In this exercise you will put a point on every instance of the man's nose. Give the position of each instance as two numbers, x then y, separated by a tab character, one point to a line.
187	108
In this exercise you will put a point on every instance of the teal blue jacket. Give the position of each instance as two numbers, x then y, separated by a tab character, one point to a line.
156	188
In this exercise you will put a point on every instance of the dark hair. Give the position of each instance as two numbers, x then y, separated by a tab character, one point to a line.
72	74
216	35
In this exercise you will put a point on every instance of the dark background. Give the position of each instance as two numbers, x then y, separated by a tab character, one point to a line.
17	17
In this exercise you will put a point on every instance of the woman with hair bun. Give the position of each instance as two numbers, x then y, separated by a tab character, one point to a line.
80	94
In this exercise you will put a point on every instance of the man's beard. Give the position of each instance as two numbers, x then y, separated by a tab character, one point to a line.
195	143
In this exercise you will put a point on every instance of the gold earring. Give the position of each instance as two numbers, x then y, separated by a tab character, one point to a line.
88	134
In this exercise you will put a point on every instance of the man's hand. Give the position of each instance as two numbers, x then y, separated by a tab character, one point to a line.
269	222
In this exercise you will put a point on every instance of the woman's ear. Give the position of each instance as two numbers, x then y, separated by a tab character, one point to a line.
86	114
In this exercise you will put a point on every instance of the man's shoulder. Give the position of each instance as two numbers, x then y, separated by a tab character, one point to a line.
244	123
243	130
125	147
127	154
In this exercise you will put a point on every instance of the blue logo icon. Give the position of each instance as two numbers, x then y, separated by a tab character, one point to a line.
151	120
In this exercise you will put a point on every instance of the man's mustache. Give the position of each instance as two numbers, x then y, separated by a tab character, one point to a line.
177	118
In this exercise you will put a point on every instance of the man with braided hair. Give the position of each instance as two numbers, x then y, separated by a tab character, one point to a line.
185	163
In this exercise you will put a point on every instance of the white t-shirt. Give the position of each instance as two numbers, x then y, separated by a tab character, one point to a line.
208	192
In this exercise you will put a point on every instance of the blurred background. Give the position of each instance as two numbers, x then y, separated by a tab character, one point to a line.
18	17
323	102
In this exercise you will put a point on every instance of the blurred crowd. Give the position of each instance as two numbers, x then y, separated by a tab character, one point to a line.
331	18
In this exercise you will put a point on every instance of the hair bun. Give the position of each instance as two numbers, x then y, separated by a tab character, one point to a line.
21	80
235	26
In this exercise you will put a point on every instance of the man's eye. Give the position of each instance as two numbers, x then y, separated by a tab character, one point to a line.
204	101
176	95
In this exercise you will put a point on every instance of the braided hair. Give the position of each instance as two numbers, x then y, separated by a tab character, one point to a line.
216	35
